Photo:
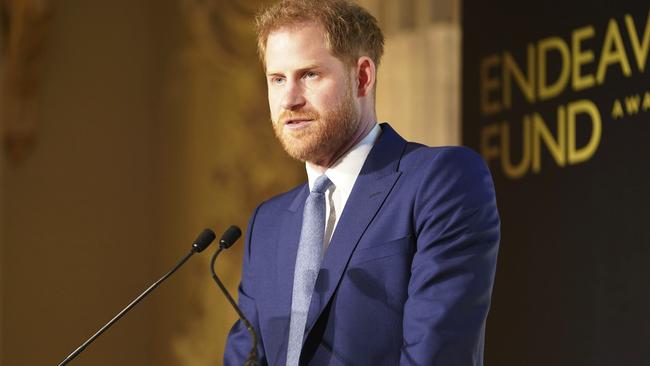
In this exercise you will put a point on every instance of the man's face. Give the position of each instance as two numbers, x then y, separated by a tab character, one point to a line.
311	94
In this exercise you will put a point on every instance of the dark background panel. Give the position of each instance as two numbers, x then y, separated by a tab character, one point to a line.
574	265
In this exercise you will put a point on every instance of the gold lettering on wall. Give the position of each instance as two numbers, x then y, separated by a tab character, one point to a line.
578	65
578	155
581	58
613	53
557	147
640	48
525	81
537	137
549	90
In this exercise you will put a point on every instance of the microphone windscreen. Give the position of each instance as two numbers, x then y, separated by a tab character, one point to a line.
230	236
203	240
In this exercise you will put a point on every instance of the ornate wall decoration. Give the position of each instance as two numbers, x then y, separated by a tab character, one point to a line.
24	28
218	90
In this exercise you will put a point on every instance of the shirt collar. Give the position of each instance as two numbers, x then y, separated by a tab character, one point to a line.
344	172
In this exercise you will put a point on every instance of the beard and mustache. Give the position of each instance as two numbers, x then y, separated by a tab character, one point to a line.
322	139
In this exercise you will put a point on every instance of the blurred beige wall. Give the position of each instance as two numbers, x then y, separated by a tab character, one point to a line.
151	123
145	134
77	229
418	88
217	159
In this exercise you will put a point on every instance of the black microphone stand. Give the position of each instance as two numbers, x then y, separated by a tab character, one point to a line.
204	239
251	360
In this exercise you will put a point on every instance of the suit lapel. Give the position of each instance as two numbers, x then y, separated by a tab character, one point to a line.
288	241
287	245
375	181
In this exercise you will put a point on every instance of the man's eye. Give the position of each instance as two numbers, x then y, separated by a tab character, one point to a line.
311	75
277	81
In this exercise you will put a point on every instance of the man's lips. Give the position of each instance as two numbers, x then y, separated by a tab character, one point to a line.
289	121
297	122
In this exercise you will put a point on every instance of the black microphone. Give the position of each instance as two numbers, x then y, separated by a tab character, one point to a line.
202	241
227	240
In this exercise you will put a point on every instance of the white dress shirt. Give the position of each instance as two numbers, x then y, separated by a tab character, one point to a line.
343	174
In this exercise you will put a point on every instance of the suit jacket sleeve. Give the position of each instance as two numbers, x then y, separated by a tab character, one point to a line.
457	229
239	340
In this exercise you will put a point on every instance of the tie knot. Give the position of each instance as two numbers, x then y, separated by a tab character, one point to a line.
321	184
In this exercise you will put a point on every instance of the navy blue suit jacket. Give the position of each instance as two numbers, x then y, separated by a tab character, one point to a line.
408	274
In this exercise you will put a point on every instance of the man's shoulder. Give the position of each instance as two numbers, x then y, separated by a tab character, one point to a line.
447	171
281	201
415	155
418	156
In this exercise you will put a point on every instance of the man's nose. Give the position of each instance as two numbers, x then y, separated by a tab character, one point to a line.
293	97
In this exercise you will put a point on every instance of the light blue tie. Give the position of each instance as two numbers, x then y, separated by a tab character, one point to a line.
308	262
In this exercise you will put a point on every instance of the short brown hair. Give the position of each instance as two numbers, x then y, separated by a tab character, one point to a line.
350	31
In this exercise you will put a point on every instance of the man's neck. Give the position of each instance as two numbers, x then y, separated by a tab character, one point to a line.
363	131
350	164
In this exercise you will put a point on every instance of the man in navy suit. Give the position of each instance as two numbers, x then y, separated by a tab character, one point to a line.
410	232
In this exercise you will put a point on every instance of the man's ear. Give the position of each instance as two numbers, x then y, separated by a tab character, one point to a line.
366	76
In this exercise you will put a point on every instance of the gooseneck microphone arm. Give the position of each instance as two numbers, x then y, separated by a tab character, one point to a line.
228	239
201	242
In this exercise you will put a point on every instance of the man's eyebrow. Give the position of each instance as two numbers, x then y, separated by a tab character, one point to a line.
299	71
309	67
